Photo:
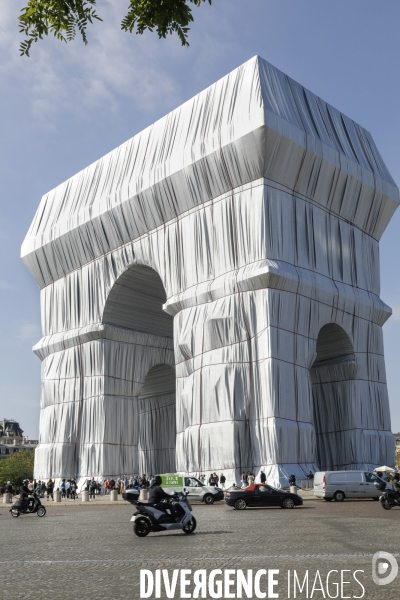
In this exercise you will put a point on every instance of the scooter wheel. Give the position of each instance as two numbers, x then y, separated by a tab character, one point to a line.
41	511
387	505
141	527
14	512
190	527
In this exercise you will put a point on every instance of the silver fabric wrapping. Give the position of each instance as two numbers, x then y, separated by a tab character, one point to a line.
221	241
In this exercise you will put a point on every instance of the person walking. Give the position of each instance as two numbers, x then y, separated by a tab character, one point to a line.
263	478
222	480
50	488
92	489
212	480
243	480
250	478
72	488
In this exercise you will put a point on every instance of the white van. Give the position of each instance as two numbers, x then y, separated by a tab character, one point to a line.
338	485
173	482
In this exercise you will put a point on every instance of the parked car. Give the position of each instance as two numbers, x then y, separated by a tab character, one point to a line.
261	494
338	485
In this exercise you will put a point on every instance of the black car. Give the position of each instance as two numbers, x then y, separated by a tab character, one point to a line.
261	494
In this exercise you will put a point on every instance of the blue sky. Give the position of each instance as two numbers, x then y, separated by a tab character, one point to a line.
68	105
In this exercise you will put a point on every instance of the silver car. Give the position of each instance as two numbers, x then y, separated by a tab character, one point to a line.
338	485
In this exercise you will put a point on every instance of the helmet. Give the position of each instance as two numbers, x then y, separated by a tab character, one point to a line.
157	480
25	481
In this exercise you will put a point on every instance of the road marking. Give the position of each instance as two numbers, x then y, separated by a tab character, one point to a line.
179	559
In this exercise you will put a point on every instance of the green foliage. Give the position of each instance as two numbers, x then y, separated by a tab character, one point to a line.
62	18
17	467
65	18
166	16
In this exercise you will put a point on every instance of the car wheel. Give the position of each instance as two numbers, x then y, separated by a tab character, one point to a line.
240	504
141	527
288	503
208	499
328	499
339	496
14	512
191	526
41	511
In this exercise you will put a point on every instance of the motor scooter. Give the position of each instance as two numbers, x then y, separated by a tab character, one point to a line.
389	498
148	518
33	505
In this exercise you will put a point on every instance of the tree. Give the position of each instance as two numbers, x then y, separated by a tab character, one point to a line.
65	18
17	467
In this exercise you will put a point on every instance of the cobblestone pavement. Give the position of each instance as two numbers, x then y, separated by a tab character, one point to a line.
90	552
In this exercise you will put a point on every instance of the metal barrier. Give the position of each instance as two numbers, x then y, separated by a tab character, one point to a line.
305	484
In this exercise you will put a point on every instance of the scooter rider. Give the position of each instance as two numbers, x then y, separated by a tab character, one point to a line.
24	492
156	494
396	483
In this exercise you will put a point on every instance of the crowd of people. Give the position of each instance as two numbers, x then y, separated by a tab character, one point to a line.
69	489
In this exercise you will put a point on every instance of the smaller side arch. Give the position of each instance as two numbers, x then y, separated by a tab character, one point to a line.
157	421
332	377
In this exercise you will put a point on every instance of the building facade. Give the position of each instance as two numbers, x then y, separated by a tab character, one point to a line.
12	438
210	293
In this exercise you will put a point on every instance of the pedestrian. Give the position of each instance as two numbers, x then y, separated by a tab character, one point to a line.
263	478
310	475
250	478
92	489
50	488
9	488
211	480
62	488
222	480
106	487
73	489
243	480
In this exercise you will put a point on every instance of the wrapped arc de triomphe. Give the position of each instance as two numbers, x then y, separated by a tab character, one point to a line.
210	293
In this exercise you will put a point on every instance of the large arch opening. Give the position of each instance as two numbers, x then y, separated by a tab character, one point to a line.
135	303
331	378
